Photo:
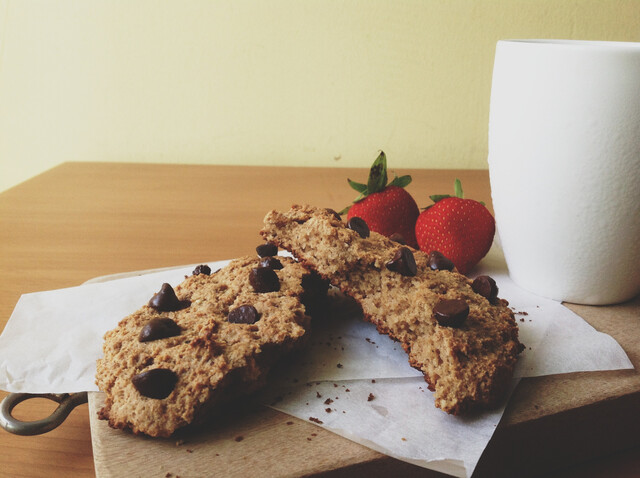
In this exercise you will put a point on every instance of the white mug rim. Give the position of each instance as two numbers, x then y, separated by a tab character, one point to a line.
555	42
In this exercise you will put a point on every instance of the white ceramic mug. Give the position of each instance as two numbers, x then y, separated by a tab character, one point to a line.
564	163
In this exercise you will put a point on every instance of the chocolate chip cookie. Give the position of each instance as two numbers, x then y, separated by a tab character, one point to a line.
213	337
463	338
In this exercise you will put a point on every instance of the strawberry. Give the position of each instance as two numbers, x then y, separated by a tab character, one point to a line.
386	208
461	229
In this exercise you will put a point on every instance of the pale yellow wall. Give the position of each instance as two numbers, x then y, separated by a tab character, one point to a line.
292	82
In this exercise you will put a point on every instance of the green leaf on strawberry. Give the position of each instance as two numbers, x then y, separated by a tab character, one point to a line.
378	174
361	188
401	181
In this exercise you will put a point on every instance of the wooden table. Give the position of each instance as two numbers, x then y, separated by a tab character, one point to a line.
82	220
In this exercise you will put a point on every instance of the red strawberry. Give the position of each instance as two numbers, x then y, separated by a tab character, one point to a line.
461	229
386	208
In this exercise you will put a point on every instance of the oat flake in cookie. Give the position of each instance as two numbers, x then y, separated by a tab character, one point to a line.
163	370
466	344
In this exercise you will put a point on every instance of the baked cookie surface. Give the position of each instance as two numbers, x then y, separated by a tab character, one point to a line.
465	343
210	339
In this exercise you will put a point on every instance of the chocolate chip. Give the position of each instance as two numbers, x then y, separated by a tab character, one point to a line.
267	249
397	237
403	262
486	287
271	263
438	262
159	328
245	314
334	213
166	300
157	383
202	269
451	312
359	225
264	279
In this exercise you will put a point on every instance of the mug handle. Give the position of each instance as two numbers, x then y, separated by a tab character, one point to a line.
67	402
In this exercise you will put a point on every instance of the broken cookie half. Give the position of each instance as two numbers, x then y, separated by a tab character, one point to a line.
212	338
457	332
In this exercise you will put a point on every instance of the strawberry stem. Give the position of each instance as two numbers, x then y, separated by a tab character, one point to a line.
457	188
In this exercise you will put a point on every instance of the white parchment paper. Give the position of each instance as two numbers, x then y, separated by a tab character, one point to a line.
354	381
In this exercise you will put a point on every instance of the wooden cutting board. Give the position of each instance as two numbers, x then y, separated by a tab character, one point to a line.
550	422
248	441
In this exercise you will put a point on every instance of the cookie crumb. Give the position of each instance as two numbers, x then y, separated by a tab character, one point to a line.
316	420
239	438
328	401
370	397
328	410
339	365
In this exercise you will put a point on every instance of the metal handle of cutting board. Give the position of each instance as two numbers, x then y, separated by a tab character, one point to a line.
66	403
